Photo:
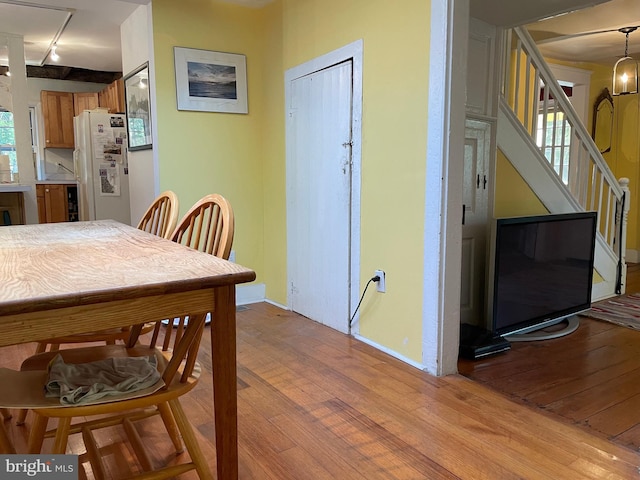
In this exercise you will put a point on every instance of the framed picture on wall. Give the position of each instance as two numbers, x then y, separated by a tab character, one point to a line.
210	81
138	107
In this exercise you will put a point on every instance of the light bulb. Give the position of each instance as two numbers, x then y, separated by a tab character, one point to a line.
54	56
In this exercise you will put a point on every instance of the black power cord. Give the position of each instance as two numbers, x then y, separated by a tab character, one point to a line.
372	279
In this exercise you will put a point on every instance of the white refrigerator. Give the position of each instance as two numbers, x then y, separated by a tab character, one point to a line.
101	168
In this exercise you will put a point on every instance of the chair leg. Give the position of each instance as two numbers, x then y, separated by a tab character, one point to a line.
22	416
190	441
170	425
93	452
62	435
41	347
36	436
6	413
5	443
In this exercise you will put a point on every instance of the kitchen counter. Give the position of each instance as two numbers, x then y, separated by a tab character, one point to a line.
56	182
14	187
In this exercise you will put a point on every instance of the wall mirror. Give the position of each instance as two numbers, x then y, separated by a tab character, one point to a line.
602	128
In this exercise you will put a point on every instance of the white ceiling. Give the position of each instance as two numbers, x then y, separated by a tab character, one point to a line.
91	39
603	48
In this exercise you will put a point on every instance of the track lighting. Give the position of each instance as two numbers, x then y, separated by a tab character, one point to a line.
54	56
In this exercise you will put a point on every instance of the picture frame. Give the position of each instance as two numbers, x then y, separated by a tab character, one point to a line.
209	81
138	108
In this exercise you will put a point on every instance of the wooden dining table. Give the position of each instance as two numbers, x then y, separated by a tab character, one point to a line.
65	278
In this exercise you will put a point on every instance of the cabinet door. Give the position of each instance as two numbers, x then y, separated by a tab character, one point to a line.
52	203
57	111
42	206
112	97
56	201
85	101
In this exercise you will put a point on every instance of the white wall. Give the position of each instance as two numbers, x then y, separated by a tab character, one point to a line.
136	37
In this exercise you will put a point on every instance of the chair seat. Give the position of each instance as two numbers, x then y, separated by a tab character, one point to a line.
27	384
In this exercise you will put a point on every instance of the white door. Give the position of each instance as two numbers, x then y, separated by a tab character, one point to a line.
477	145
319	194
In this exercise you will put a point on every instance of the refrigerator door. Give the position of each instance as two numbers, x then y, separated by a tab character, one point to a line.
107	167
81	166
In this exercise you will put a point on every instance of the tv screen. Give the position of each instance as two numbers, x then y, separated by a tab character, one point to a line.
542	270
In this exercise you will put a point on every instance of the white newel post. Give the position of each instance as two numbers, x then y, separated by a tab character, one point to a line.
621	221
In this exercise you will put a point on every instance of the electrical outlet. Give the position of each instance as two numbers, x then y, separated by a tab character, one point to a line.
381	284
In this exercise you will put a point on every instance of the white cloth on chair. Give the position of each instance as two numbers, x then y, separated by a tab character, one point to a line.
86	383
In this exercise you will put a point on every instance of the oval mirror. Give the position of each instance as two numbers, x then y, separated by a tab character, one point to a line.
602	128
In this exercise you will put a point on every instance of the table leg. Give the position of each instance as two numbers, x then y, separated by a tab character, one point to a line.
225	400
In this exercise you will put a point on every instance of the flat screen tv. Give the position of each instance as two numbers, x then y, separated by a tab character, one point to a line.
541	273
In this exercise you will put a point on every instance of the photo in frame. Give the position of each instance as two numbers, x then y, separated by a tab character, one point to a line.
138	108
210	81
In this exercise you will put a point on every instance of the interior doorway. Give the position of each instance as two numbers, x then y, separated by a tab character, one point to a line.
323	108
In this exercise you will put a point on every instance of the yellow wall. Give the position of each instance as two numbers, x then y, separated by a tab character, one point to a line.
394	125
243	156
513	196
203	152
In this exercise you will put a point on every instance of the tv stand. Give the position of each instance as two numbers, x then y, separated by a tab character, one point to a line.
476	342
546	331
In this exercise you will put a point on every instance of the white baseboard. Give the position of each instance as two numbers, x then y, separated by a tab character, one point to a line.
390	352
246	294
632	256
276	304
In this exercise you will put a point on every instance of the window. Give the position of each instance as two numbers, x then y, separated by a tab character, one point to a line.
556	144
553	131
8	138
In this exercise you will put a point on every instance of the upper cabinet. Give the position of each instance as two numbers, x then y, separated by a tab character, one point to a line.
112	97
85	101
59	108
57	112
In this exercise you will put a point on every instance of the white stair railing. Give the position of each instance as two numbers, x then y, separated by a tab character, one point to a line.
543	109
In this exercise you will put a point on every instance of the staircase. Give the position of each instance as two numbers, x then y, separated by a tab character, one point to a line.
542	136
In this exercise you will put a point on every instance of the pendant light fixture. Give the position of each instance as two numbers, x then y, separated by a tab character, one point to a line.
625	71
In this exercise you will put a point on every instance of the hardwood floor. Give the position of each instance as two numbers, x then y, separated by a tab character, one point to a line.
590	378
317	404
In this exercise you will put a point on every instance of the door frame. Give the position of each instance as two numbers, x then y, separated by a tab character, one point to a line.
352	52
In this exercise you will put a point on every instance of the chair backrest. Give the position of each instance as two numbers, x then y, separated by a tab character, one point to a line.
208	226
161	217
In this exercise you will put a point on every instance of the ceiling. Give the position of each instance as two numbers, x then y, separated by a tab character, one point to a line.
87	32
601	48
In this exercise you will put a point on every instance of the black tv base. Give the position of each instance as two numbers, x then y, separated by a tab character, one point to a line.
477	342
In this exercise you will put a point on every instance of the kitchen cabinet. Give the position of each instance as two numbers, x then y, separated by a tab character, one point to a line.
57	202
57	112
85	101
112	97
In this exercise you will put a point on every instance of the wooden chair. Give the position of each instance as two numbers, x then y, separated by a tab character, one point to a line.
5	444
209	227
159	219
